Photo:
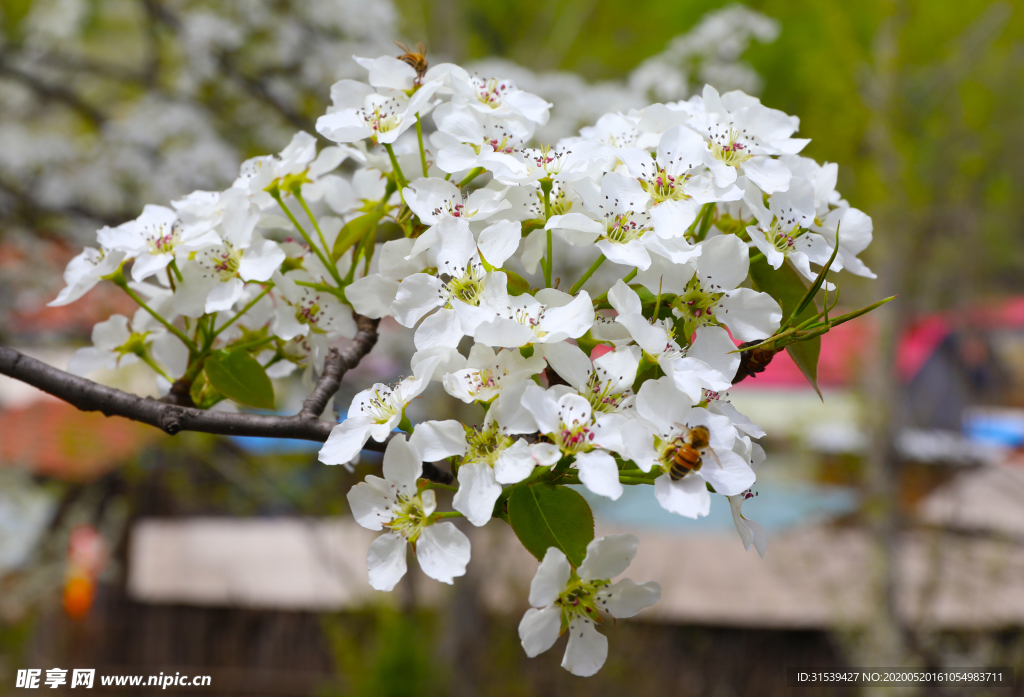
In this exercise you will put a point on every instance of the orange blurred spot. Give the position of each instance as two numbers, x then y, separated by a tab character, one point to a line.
78	595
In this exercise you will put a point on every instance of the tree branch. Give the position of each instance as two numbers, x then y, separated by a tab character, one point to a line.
87	395
337	364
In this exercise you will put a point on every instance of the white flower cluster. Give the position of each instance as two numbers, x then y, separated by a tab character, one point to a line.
453	233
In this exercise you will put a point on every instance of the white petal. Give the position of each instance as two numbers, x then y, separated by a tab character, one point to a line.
261	260
769	175
149	264
673	218
224	295
515	463
750	315
632	253
624	299
168	350
571	320
417	295
626	598
388	72
89	359
543	406
714	347
599	473
436	440
608	556
533	250
724	261
551	578
443	552
371	502
477	494
402	465
733	477
662	404
569	362
686	497
499	241
439	329
587	649
345	441
539	629
386	561
372	295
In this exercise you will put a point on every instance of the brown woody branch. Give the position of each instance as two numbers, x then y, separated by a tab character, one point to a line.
172	418
337	364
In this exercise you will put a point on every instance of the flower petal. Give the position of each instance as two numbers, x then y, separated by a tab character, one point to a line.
443	552
345	441
625	598
608	556
599	473
551	578
686	497
385	561
587	649
477	494
539	629
402	465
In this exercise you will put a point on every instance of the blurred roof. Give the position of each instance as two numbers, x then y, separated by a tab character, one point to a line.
52	438
35	268
814	577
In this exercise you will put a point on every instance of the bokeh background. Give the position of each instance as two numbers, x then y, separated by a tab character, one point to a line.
894	506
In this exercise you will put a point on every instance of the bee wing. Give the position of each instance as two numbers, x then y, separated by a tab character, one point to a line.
402	45
717	461
421	47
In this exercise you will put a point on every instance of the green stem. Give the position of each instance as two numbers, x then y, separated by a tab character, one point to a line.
545	186
245	309
323	288
255	343
448	514
439	485
170	327
152	364
419	137
305	236
174	268
590	272
547	261
473	174
402	181
309	214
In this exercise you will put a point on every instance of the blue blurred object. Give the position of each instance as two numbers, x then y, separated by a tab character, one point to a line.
779	505
269	446
1003	428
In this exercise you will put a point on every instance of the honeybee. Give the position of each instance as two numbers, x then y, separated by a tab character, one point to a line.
416	59
688	454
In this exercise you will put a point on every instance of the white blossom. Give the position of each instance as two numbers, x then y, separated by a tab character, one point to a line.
577	600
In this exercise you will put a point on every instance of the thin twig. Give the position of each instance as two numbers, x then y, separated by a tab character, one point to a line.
337	364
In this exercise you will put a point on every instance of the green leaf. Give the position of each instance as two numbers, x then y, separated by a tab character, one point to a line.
786	286
545	515
240	376
517	285
355	230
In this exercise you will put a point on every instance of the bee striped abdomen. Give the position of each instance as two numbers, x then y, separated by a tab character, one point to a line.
684	460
